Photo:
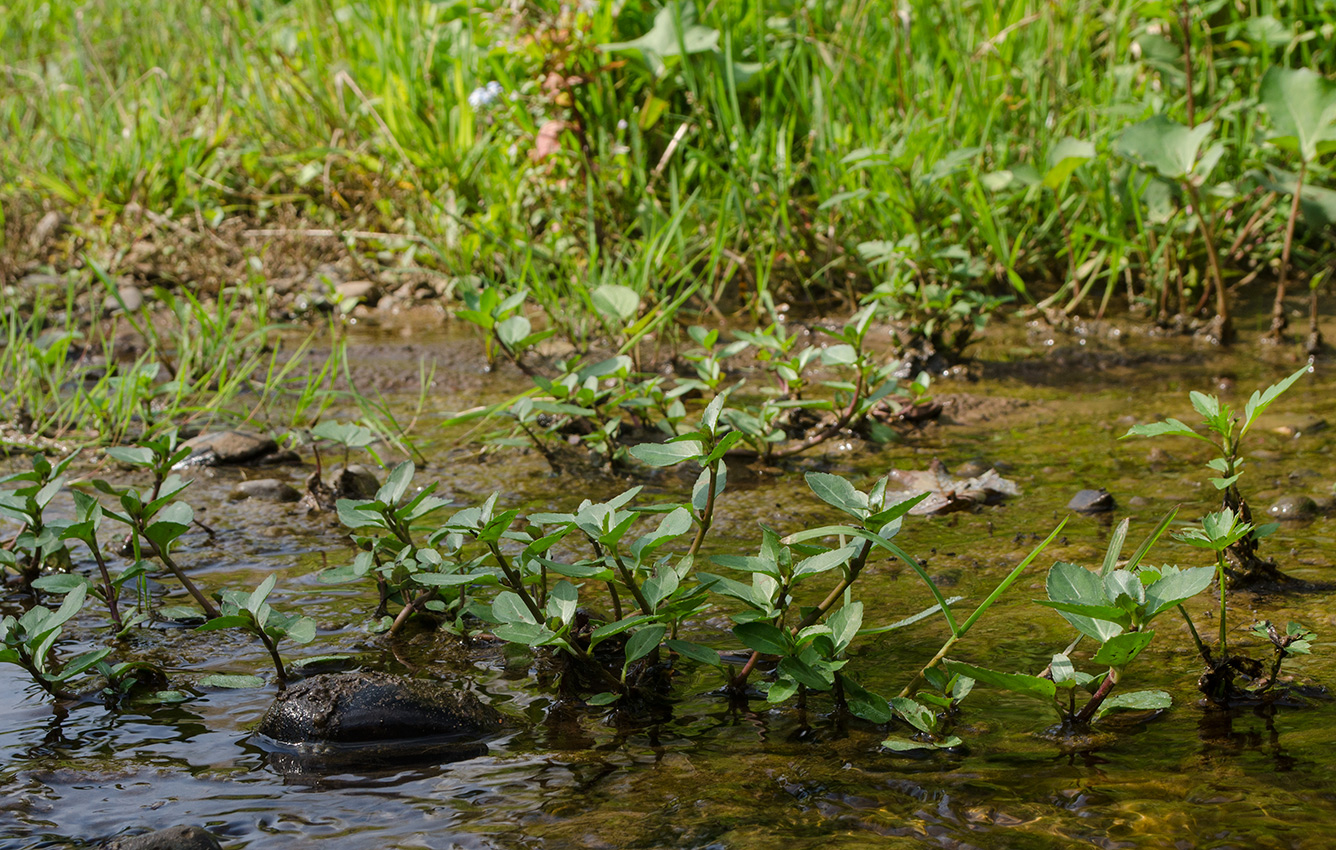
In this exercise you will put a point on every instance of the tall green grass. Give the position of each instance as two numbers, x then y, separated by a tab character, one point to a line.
797	151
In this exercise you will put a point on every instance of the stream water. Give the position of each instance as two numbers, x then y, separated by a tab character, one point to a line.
711	775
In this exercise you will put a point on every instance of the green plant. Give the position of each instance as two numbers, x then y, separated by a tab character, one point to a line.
1244	565
28	641
1302	106
811	642
1114	606
252	613
1219	532
38	543
156	521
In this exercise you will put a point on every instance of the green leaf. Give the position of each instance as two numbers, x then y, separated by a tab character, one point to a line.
1020	683
507	607
512	331
644	641
133	455
844	624
1064	158
781	690
675	33
825	561
222	680
1135	701
839	493
529	634
625	624
261	593
696	652
605	698
1167	428
762	637
618	303
1259	402
1118	652
1177	587
396	485
804	673
865	704
1302	108
919	716
1102	613
1070	584
300	630
231	621
562	601
1164	145
667	454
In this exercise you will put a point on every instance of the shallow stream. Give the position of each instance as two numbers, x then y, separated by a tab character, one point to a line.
715	776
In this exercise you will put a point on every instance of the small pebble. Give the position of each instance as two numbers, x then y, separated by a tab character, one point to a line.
1092	501
266	489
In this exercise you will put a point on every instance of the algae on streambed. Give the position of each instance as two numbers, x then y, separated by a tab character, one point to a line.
711	775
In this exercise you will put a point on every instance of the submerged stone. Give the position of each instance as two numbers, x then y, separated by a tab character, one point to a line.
1293	508
172	838
364	718
266	489
217	448
1092	501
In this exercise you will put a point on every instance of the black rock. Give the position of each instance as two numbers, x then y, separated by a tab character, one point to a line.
172	838
1092	502
365	718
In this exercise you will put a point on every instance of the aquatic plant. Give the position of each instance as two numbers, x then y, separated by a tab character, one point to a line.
27	642
1244	565
1114	606
252	613
38	542
1219	532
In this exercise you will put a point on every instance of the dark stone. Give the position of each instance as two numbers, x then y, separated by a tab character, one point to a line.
363	718
1293	508
216	448
1092	502
173	838
267	489
356	482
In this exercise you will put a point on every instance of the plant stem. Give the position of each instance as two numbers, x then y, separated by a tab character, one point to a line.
1278	320
210	610
108	589
516	583
1213	260
1220	577
707	515
1098	698
278	661
1201	647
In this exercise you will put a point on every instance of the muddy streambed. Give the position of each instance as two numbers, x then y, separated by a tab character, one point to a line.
708	774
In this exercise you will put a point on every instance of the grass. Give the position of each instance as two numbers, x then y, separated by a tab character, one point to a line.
795	153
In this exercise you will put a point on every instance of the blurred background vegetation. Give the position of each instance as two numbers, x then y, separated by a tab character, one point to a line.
936	156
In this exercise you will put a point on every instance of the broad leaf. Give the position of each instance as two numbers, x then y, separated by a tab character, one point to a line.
1135	701
1118	652
1302	107
1164	145
667	454
839	493
1020	683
